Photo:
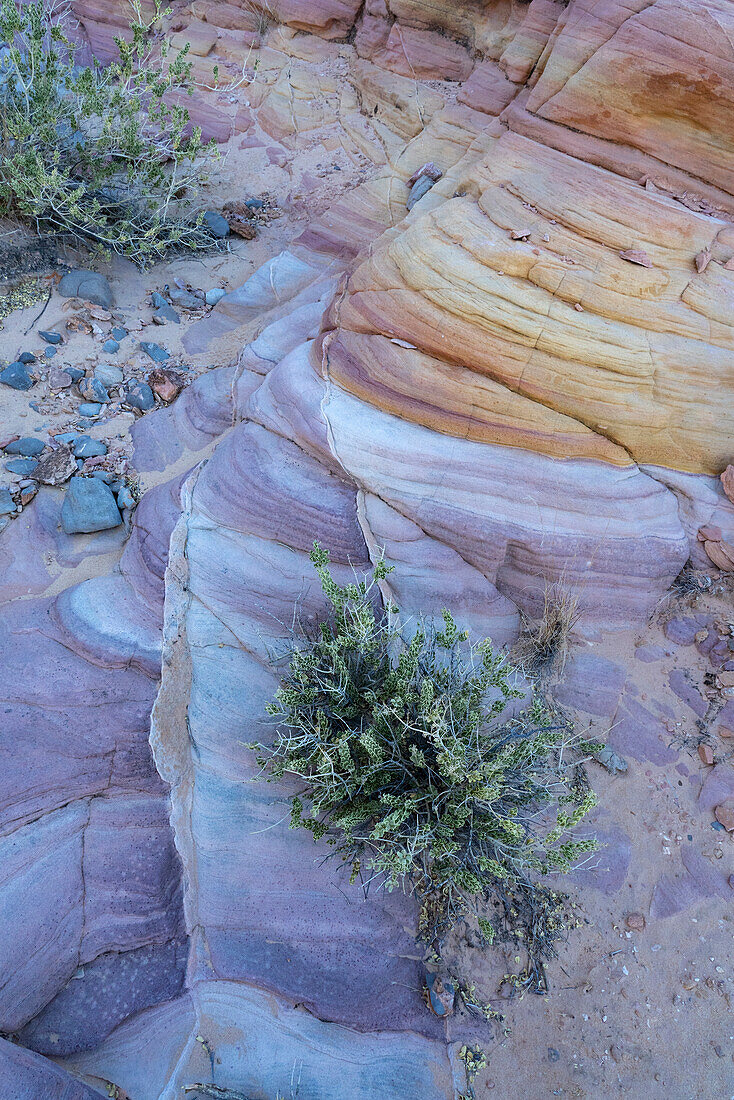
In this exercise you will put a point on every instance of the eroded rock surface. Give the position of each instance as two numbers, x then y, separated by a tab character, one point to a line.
526	379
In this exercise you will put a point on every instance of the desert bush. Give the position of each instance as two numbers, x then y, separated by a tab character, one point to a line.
416	773
96	154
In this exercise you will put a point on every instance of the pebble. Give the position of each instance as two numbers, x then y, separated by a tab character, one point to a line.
214	295
724	814
27	446
254	204
441	995
119	333
89	408
183	298
553	1054
635	922
50	337
22	466
26	357
59	379
56	467
89	506
706	754
89	285
92	389
108	374
16	376
66	437
104	475
28	492
7	504
140	396
167	384
49	353
154	351
125	499
217	225
110	346
75	373
163	309
84	447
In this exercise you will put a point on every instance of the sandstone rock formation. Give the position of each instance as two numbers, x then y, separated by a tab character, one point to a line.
485	388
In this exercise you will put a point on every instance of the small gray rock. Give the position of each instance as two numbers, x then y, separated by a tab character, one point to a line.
217	225
49	353
163	309
108	374
75	373
16	376
50	337
89	506
140	396
66	437
22	466
119	333
125	499
89	285
214	295
104	475
92	389
84	447
7	505
183	298
420	188
611	760
89	408
27	446
110	346
154	351
26	357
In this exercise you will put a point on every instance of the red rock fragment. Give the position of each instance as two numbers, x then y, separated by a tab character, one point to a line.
727	482
710	533
706	754
721	554
428	169
636	256
635	922
703	259
725	815
167	384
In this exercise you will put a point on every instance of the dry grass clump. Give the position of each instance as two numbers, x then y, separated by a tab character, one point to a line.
545	643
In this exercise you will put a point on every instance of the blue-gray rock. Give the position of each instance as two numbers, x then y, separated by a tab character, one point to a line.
50	337
16	376
163	309
125	499
92	389
75	373
254	204
119	333
108	374
140	396
49	353
84	447
89	505
89	285
66	437
7	504
214	295
110	346
216	224
104	475
154	351
26	357
420	188
23	466
27	446
89	408
184	298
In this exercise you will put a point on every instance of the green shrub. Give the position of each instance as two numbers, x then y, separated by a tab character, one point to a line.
415	775
96	154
